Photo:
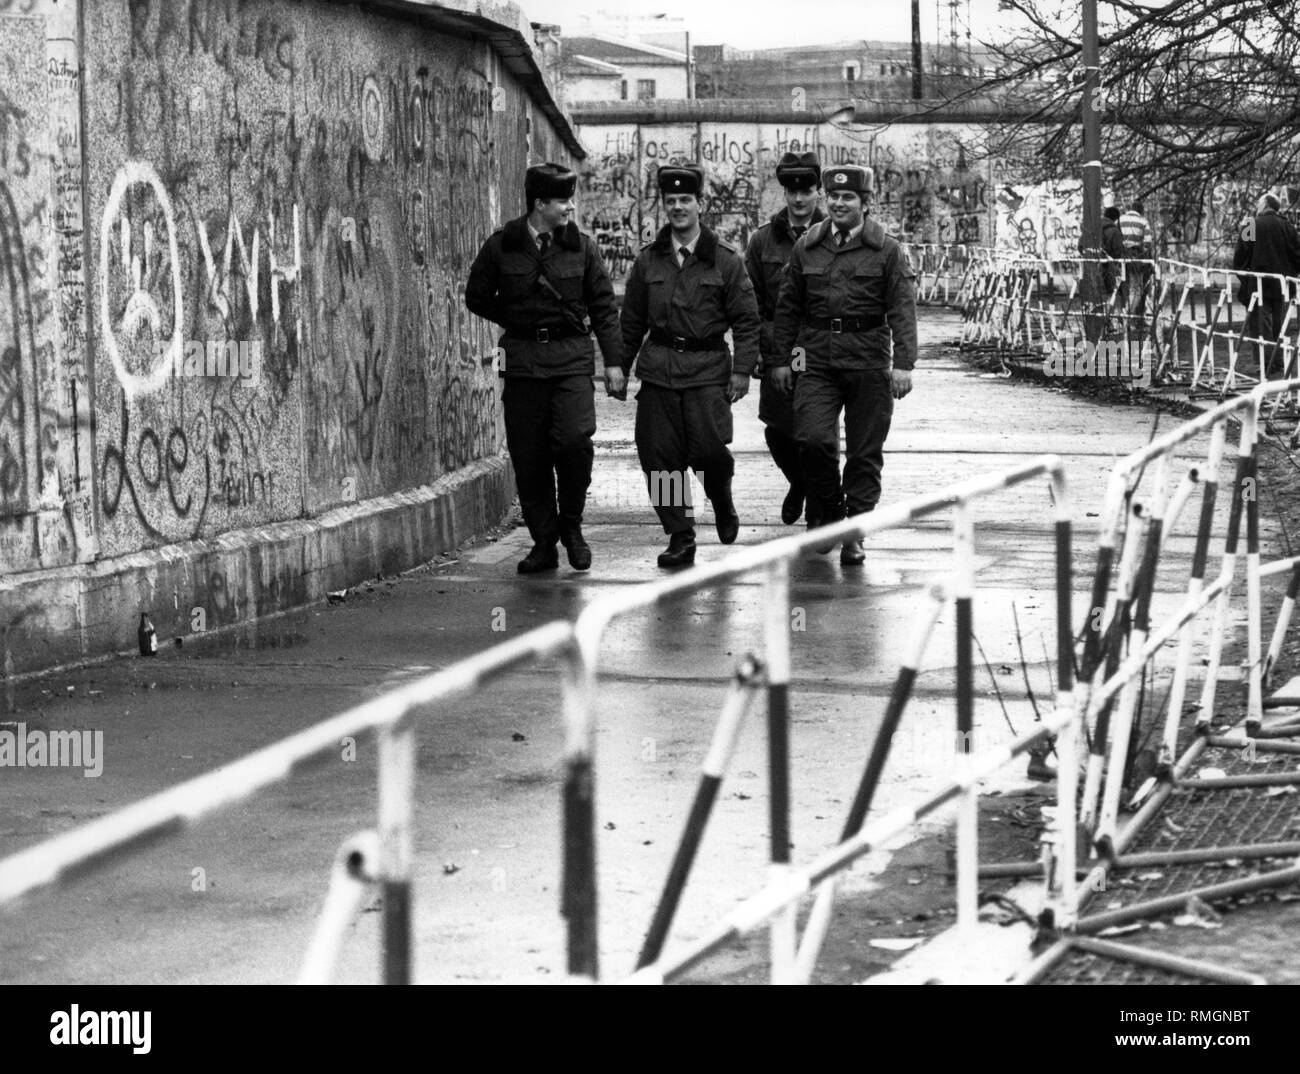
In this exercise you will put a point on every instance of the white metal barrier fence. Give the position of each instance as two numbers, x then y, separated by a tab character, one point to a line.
1116	649
1211	330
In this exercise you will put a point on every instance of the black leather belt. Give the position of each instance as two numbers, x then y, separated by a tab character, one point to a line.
546	335
847	324
681	343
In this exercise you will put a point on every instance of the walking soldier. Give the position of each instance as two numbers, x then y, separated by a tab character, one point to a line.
543	281
847	291
685	290
765	260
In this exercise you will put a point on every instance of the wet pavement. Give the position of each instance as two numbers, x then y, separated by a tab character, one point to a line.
235	898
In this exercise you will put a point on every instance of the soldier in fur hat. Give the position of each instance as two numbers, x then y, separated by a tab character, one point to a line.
685	290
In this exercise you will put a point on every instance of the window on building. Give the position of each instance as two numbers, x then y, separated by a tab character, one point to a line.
622	90
882	68
852	70
645	89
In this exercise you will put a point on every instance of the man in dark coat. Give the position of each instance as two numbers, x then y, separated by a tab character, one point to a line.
765	260
685	290
847	291
1267	244
543	281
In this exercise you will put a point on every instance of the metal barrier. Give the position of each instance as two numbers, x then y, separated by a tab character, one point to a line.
792	961
1116	650
386	862
384	859
1165	322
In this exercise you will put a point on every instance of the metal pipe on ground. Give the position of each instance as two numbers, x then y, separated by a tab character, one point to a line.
1244	851
1160	960
1168	903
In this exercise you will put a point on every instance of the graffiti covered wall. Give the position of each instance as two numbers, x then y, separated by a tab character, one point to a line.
46	511
929	185
933	183
308	184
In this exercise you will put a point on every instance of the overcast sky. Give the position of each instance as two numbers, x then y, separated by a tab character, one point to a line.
774	23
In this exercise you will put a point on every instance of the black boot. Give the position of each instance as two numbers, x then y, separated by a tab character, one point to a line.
543	557
792	505
725	519
576	546
680	551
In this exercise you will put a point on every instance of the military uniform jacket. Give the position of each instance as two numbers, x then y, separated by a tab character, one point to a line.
504	287
869	276
765	259
699	300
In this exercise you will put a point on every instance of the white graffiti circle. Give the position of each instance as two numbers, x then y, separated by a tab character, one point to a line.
141	307
372	118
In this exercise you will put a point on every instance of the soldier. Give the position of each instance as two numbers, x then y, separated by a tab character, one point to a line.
769	250
543	281
847	290
686	289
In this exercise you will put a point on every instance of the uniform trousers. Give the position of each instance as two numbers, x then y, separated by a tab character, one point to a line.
549	425
677	428
867	400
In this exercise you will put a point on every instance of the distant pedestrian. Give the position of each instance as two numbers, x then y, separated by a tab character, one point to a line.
765	259
1112	249
544	282
847	294
1135	230
685	290
1267	244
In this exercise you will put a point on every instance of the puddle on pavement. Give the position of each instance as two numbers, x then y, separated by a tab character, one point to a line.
284	632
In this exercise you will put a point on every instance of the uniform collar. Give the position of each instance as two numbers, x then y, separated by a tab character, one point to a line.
517	235
781	222
706	243
871	234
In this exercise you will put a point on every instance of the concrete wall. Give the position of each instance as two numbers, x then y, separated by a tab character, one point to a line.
933	183
306	181
929	185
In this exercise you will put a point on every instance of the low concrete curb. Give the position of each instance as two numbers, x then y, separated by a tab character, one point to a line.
55	617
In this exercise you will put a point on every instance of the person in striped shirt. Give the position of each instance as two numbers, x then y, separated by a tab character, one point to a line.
1135	229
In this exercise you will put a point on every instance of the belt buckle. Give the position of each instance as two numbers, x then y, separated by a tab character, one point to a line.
679	344
837	325
543	335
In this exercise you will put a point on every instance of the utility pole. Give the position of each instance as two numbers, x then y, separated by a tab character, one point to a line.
916	50
1092	105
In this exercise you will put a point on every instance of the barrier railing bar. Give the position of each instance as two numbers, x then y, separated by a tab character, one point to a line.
591	621
396	848
353	876
1250	493
753	911
1210	687
578	897
1123	724
1061	894
1200	556
86	848
776	639
1098	711
735	707
963	588
819	917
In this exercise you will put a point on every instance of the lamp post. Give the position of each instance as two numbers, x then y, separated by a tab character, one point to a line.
1092	105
